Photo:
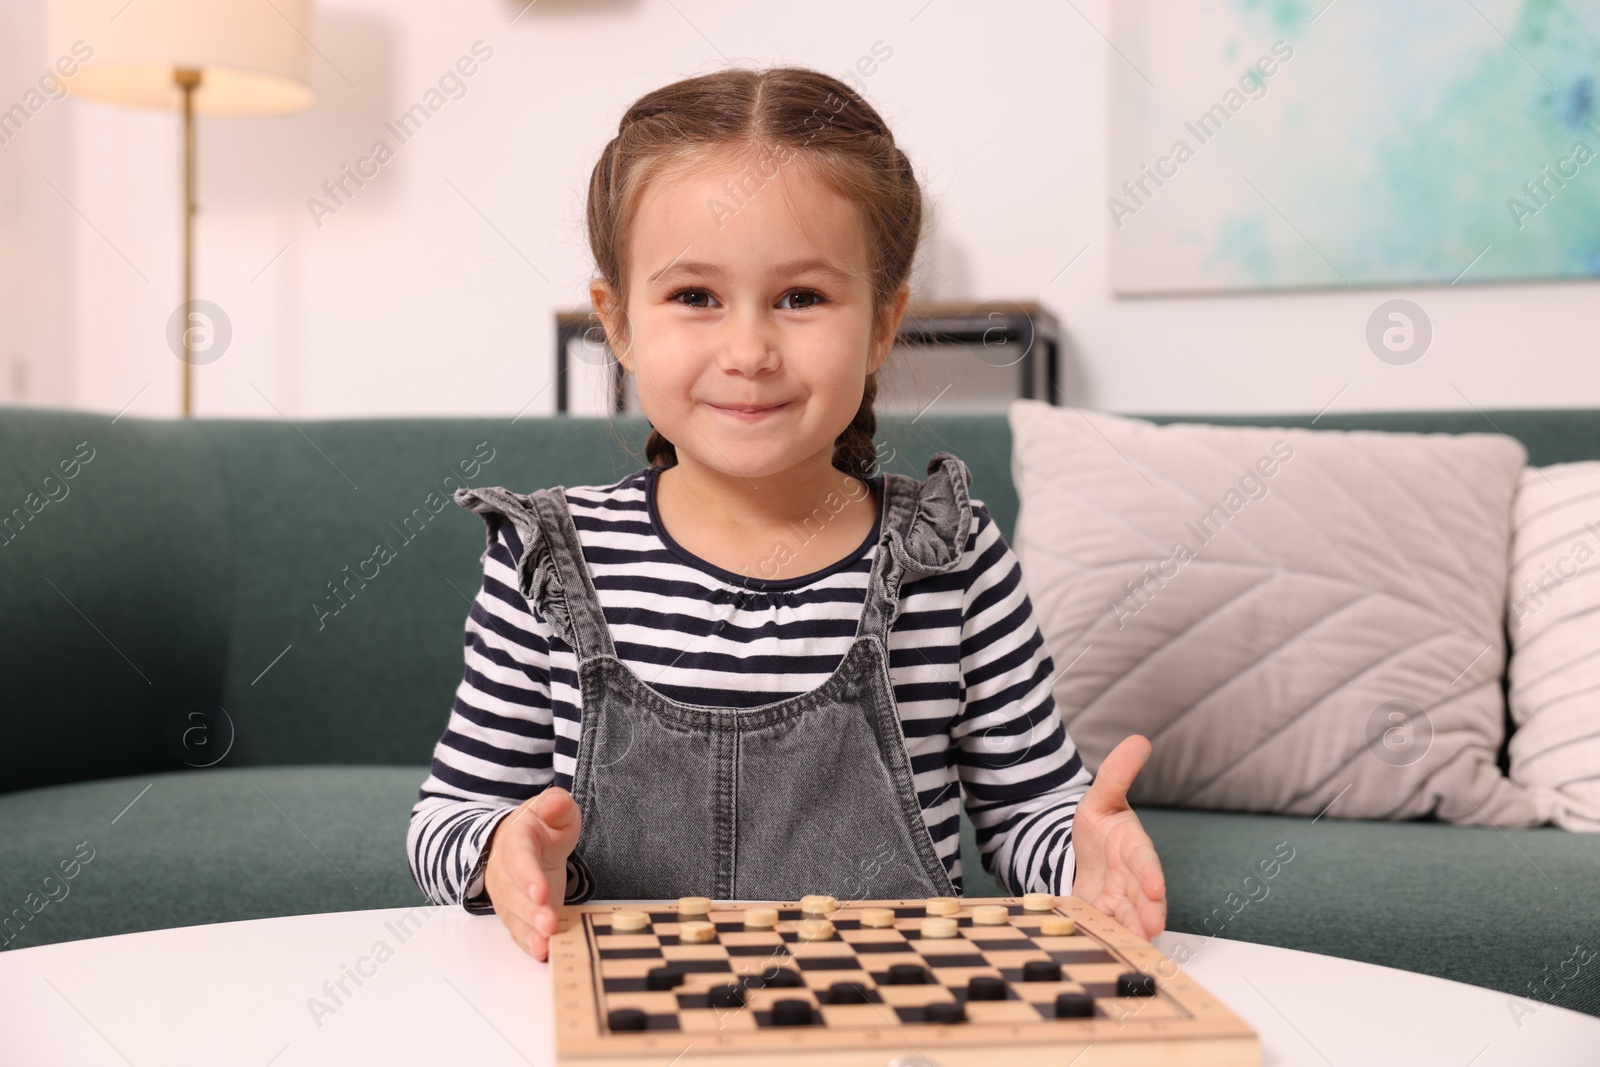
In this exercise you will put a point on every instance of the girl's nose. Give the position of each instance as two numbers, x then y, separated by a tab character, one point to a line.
750	345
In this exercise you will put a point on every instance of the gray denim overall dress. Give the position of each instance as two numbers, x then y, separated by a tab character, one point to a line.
810	794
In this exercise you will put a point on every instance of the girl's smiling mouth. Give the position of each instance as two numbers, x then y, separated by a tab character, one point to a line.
749	414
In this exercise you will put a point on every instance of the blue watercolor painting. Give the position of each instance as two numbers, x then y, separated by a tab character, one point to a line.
1266	144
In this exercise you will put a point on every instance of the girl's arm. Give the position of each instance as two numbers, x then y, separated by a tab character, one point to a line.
1021	773
498	746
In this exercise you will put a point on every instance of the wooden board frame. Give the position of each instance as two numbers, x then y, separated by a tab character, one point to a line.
1182	1024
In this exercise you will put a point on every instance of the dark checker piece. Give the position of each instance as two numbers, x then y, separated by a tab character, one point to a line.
627	1019
846	993
725	996
1074	1006
1134	984
945	1012
1041	971
907	974
791	1013
660	978
986	987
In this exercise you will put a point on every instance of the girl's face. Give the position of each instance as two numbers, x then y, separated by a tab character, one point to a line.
749	325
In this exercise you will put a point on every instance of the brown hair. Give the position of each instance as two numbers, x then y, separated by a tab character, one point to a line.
788	113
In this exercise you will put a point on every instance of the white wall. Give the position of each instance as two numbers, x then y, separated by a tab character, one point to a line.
432	291
36	279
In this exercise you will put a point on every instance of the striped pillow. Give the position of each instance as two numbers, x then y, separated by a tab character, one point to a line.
1553	617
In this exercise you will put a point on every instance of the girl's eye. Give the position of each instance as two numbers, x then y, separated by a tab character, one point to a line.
689	292
809	294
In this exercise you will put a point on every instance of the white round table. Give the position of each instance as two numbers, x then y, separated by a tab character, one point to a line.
440	986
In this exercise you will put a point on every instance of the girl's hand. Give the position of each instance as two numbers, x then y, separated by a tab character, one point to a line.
526	876
1118	871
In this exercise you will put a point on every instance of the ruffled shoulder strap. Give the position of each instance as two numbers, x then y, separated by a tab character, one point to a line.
935	536
497	505
538	576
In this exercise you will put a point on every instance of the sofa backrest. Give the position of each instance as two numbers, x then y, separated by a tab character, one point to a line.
310	580
240	565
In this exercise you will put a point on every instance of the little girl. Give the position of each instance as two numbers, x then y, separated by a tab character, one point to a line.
759	667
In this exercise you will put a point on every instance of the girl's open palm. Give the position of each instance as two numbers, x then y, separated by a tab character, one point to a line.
526	873
1118	871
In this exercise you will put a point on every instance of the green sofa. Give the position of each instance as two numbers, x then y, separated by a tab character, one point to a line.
197	729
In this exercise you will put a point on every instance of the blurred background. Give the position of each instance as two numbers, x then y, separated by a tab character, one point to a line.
1367	166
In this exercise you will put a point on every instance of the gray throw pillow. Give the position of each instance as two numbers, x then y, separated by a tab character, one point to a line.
1300	621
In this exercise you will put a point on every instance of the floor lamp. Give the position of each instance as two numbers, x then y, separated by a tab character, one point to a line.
203	57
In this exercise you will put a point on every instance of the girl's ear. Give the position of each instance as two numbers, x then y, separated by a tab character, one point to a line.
885	341
604	301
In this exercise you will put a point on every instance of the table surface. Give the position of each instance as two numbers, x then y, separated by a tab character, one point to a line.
441	986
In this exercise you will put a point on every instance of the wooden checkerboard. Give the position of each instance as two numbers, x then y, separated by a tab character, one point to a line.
599	972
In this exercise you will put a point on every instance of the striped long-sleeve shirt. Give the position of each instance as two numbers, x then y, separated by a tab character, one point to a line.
971	675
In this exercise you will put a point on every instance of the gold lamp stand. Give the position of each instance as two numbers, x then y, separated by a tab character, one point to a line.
188	80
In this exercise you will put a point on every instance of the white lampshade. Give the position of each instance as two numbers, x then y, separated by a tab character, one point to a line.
255	57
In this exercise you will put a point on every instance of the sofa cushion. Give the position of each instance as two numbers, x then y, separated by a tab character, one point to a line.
1298	620
203	846
219	845
1510	910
